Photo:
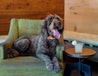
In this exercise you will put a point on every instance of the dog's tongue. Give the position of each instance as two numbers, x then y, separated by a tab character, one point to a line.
56	33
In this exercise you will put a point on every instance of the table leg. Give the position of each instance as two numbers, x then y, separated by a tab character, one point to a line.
79	65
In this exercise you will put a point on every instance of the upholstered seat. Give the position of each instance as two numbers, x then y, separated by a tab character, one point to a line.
24	66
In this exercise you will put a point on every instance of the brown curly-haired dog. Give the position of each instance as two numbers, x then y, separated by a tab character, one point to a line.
44	45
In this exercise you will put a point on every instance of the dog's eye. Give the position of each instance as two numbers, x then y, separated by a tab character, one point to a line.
51	19
57	18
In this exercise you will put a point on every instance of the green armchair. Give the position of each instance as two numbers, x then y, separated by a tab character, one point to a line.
28	65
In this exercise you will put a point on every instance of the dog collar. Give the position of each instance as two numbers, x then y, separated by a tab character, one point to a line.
49	37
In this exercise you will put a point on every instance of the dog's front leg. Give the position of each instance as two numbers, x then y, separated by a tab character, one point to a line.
57	66
47	60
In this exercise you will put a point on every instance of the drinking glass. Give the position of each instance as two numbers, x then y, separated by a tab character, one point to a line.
78	47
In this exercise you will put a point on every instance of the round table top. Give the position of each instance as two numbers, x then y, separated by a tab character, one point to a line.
85	53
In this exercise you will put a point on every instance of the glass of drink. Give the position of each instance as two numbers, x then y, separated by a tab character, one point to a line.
78	47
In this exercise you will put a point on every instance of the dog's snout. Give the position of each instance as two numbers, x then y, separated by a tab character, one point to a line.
57	23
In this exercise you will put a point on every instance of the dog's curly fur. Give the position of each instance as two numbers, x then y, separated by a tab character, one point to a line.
40	46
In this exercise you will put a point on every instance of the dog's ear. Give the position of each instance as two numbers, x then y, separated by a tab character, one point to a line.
44	32
45	26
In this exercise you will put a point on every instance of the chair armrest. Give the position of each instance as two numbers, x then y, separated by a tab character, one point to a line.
13	31
12	36
59	51
3	47
1	53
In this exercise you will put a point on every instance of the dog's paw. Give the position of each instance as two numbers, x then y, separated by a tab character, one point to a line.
12	53
49	66
56	64
56	69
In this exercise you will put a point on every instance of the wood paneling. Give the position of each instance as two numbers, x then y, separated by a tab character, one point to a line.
27	9
81	16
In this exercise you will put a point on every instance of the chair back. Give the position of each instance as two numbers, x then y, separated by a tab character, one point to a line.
29	27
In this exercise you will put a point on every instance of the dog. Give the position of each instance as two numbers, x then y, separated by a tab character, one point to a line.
44	45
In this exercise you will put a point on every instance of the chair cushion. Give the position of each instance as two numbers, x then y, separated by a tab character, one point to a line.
28	63
29	27
25	66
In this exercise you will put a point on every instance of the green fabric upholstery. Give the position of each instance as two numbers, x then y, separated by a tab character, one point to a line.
25	66
59	52
12	36
29	27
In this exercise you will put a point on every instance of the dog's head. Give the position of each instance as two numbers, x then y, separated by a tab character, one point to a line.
52	26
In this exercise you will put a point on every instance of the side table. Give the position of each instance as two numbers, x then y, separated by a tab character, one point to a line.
85	54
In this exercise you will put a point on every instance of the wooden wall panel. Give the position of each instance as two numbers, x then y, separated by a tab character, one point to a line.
81	16
28	9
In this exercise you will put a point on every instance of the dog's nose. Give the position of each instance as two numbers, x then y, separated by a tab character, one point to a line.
57	23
